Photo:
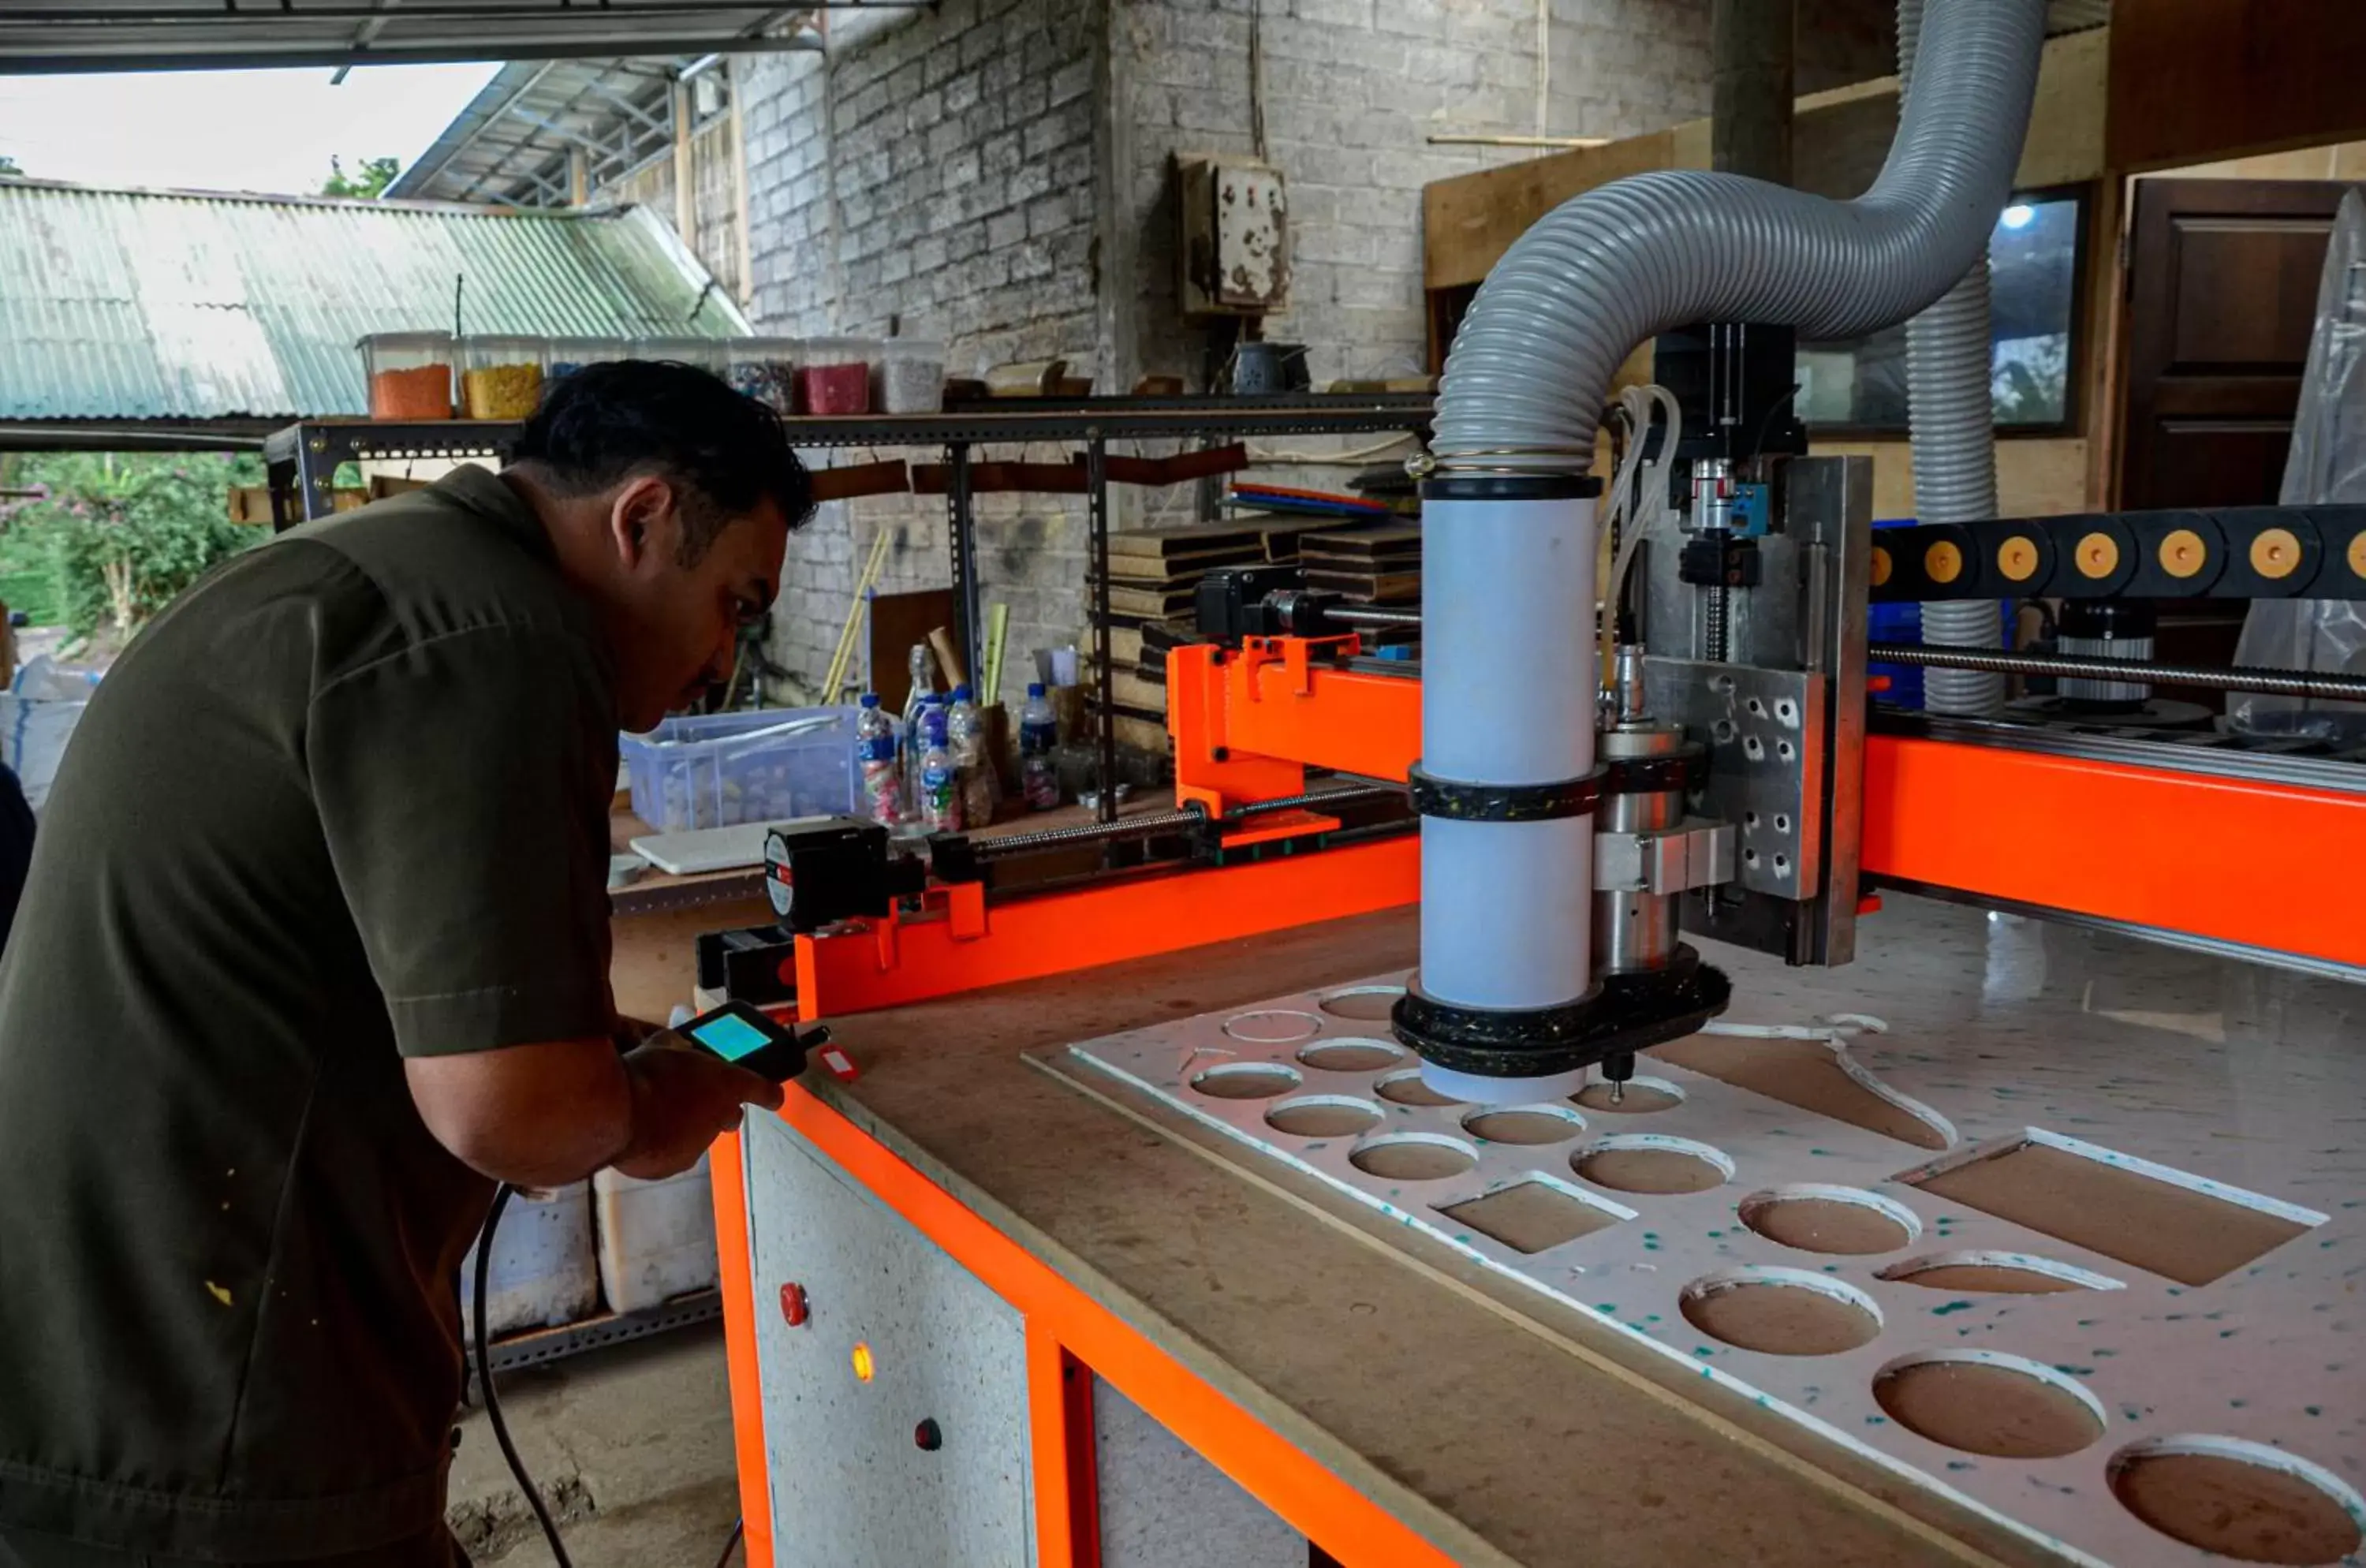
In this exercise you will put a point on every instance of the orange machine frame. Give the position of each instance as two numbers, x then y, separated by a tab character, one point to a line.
2189	854
2182	853
1067	1332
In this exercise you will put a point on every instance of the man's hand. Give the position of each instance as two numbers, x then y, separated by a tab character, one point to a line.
682	1101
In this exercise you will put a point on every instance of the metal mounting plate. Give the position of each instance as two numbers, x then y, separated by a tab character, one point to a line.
1764	732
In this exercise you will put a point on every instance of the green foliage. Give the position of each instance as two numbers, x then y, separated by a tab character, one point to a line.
120	534
9	168
376	174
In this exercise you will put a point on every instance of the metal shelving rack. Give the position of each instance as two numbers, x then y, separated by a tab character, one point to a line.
302	458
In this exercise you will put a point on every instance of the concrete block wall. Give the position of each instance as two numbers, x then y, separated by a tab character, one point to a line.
999	173
933	178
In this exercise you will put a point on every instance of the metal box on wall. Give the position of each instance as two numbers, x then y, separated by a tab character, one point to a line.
1235	234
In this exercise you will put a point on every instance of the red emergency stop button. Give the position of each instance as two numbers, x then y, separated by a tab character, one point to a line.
793	1310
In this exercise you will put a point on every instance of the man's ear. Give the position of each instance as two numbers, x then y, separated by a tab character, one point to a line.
642	522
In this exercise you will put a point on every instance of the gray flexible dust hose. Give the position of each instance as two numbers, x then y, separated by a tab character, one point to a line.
1507	567
1949	414
1533	361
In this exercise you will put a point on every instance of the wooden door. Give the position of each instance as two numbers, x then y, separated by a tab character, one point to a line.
2222	296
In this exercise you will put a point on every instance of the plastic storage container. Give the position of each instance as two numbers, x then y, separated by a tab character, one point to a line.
657	1238
909	377
705	353
834	375
410	375
545	1270
566	354
765	368
720	769
500	377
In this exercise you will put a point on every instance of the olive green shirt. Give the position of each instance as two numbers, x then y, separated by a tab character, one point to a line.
344	802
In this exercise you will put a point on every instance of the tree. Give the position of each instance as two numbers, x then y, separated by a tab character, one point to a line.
376	174
10	169
123	533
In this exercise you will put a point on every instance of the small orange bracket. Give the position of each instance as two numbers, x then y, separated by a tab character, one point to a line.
1296	654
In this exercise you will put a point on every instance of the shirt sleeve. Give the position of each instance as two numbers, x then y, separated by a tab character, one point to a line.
463	785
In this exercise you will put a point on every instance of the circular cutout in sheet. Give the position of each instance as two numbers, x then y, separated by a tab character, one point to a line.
1245	1080
1524	1124
1846	1220
1642	1097
1364	1004
1783	1311
1351	1054
1273	1026
1995	1273
1984	1402
1409	1087
2238	1499
1413	1156
1324	1116
1645	1162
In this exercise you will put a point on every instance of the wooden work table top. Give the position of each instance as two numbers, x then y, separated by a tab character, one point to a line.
1494	1438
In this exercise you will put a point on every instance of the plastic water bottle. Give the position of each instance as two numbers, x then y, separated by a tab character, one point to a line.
874	747
940	792
1039	735
965	738
914	702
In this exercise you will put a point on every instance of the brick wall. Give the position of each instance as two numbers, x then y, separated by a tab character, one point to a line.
935	179
999	173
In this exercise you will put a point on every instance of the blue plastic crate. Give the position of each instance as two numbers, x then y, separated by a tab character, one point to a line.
718	769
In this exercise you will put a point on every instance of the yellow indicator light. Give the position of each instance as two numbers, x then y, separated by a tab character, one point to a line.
863	1365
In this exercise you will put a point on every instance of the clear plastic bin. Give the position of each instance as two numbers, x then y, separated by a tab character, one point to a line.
834	375
566	354
500	377
705	353
764	368
909	377
410	375
722	769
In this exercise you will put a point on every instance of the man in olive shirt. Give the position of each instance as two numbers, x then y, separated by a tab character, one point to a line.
314	949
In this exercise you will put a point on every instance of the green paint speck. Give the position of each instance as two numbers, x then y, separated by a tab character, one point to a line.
2314	1409
1606	1306
1950	1306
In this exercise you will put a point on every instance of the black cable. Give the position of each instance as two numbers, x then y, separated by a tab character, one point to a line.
737	1529
493	1399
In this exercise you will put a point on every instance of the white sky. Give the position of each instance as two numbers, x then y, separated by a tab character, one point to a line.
260	130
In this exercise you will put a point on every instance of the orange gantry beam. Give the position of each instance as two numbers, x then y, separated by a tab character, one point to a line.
2265	866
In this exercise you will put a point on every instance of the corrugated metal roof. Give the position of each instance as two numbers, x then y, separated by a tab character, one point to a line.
186	35
118	304
511	144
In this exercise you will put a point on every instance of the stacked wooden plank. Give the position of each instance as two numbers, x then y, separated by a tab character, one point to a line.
1152	575
1375	565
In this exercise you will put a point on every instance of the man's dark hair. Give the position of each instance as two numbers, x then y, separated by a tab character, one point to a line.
605	422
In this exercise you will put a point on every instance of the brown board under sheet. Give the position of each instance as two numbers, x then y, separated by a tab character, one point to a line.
2175	1232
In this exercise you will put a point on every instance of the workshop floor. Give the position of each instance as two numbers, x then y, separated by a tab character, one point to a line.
632	1445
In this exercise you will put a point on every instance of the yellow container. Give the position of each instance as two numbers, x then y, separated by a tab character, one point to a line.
500	377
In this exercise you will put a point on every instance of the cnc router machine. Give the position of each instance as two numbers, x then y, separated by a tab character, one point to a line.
1494	1117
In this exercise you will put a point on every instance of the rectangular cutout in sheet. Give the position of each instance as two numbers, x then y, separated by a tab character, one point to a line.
2148	1217
1532	1215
